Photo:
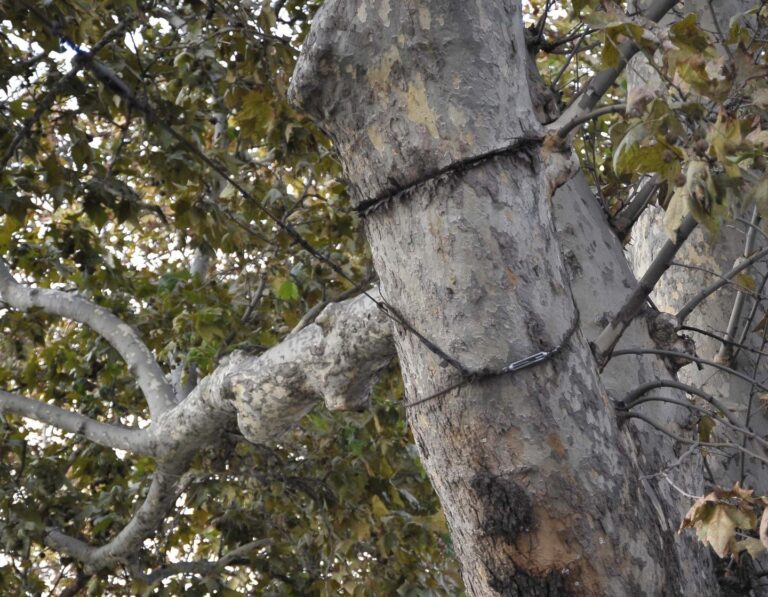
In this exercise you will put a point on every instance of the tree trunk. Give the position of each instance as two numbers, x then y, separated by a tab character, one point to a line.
601	281
539	493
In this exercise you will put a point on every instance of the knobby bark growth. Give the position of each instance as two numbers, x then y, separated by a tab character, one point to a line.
490	248
335	359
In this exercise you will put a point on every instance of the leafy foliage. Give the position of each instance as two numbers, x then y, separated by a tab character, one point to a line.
98	199
725	518
702	108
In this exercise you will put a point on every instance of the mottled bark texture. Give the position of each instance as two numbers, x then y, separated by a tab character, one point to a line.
540	496
601	281
335	358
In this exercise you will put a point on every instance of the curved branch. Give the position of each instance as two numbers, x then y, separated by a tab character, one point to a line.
105	434
691	406
335	358
631	399
582	118
693	359
660	428
204	568
124	547
734	344
123	338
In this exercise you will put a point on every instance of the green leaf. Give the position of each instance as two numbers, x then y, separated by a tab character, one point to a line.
706	425
287	290
687	33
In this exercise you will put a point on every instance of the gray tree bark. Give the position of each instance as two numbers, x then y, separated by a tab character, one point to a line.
538	486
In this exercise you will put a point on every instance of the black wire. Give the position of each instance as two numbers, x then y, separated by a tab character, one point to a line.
113	82
513	367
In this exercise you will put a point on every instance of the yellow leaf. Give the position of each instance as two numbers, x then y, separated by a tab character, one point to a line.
719	528
361	530
750	545
761	324
378	507
746	281
676	212
706	425
716	519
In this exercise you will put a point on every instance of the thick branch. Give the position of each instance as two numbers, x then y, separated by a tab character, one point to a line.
335	358
104	434
123	338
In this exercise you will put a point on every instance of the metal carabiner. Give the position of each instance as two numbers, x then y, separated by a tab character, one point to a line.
526	362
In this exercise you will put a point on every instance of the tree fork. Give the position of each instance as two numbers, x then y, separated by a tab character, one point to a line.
538	494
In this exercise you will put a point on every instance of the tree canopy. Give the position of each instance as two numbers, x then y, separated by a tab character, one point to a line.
151	163
98	198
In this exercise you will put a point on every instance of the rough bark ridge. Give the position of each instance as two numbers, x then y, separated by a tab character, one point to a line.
601	281
539	496
335	358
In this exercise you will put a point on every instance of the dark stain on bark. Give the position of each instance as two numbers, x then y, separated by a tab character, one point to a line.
518	583
535	327
505	507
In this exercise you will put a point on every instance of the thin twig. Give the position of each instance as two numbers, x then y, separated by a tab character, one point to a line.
751	400
746	433
715	286
609	337
693	359
733	343
599	84
684	440
725	353
751	317
579	120
561	72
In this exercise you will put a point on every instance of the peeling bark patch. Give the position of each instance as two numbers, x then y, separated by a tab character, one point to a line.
553	440
505	508
518	583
